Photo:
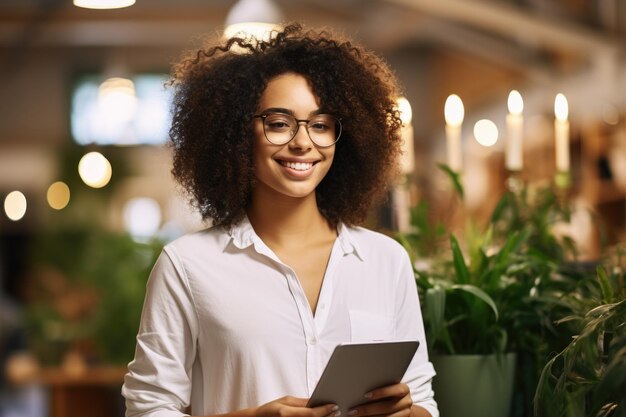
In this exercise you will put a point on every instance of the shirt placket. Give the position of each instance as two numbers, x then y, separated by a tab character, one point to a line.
311	326
311	336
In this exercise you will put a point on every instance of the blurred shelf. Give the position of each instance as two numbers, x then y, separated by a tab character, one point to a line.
93	391
99	376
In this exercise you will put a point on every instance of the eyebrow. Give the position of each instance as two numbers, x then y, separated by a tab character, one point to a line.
288	111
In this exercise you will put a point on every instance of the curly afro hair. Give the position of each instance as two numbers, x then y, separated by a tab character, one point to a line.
216	94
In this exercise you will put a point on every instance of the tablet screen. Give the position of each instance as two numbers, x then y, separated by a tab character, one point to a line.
355	369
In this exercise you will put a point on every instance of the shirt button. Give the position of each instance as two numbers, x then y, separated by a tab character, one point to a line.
322	306
313	341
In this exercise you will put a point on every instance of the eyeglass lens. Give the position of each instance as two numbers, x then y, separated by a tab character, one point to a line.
280	128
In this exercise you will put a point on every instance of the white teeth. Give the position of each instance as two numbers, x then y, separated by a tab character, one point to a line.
298	166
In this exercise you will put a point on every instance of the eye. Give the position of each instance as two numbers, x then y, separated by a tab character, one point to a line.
278	123
322	125
319	127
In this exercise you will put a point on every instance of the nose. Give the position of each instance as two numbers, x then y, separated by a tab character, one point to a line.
301	140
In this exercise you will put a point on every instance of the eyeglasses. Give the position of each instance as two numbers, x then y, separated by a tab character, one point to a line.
280	128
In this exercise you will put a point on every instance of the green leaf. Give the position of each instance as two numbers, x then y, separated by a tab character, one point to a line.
460	267
477	292
605	285
454	177
435	300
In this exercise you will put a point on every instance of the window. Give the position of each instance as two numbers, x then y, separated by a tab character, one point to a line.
121	112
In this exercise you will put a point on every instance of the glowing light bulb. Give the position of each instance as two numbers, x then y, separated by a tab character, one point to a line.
406	113
103	4
142	217
515	102
15	205
117	99
486	132
561	107
561	133
514	130
95	170
256	19
58	195
454	111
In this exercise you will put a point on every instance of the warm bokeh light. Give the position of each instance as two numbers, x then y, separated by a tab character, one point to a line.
58	195
95	170
610	114
103	4
247	30
486	132
561	108
406	113
15	205
142	217
253	18
515	102
117	100
454	111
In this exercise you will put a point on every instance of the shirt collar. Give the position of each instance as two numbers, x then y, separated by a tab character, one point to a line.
243	235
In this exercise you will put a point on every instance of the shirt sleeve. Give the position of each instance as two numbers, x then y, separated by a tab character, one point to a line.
158	382
410	326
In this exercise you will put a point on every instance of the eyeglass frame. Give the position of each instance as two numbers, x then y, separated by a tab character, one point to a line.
263	116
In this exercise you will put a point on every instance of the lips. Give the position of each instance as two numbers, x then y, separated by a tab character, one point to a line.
297	166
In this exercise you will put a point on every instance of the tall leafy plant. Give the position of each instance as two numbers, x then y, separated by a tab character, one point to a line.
499	293
86	293
500	288
588	377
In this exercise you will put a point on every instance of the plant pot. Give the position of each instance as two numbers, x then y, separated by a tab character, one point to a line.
474	385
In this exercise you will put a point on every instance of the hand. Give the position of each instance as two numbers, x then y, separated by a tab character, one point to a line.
393	400
295	407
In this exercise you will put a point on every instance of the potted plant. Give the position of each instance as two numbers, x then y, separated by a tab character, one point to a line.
588	377
85	294
488	304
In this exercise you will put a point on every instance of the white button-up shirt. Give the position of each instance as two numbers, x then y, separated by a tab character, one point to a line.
226	325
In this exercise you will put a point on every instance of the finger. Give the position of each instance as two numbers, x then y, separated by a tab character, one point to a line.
331	410
294	401
382	407
299	408
396	390
401	413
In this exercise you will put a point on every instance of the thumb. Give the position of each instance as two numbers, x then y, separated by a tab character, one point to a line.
295	401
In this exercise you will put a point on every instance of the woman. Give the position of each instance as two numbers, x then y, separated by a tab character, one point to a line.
283	145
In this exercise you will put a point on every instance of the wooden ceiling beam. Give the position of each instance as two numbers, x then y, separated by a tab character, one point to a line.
515	23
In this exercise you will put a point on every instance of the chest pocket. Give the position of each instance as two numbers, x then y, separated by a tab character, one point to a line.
370	327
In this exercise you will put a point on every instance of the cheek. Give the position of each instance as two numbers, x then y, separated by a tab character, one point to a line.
259	149
330	157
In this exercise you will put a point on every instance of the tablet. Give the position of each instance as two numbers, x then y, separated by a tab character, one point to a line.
357	368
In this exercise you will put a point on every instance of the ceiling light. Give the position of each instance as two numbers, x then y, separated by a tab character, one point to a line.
404	107
253	18
117	99
103	4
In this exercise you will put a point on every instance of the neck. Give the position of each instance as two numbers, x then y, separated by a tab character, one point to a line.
283	220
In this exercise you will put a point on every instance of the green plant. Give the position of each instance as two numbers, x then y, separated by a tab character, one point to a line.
499	293
86	293
499	289
588	377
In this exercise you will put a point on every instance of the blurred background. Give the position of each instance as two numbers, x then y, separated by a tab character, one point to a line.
88	200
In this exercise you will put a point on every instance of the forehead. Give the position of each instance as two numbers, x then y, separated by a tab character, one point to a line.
290	91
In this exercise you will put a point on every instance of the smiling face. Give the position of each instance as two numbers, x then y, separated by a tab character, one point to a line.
294	169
